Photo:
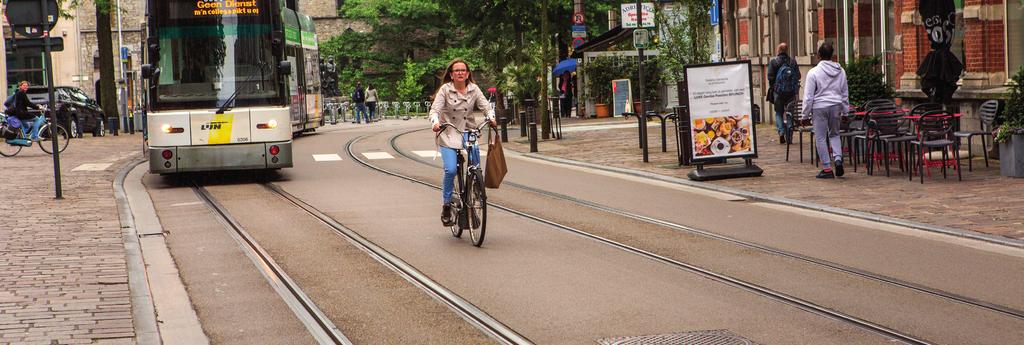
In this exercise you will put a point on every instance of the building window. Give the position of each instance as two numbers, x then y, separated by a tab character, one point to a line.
1014	37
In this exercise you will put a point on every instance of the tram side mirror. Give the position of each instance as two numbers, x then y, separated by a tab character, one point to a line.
284	68
149	72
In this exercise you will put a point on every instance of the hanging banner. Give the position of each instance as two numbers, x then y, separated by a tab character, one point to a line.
720	102
628	15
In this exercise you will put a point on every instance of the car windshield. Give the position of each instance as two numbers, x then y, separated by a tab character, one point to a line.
208	55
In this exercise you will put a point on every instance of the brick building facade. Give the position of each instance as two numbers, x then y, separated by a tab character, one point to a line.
989	39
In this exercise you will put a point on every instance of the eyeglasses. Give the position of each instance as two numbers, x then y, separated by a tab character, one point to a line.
459	71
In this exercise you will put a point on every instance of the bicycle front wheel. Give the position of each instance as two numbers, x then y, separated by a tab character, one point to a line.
46	141
8	150
476	206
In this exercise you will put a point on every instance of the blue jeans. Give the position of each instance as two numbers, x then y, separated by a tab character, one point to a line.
31	127
361	109
371	108
448	156
779	125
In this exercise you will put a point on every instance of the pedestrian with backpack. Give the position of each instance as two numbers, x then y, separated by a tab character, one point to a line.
783	85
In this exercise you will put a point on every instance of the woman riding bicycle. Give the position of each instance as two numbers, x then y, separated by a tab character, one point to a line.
19	108
454	104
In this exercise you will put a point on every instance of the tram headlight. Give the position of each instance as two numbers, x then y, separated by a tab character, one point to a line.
166	128
269	125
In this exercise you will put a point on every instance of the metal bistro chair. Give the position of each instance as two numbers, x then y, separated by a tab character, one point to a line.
869	105
849	128
860	141
935	131
988	112
884	129
794	121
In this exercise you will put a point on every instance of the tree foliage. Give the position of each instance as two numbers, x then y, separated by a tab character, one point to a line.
866	81
686	37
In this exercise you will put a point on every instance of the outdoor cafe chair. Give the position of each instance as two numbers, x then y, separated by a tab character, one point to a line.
987	113
867	106
795	121
884	131
935	131
849	128
858	142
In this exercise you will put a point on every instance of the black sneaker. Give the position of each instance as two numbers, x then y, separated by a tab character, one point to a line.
782	139
446	215
825	174
839	168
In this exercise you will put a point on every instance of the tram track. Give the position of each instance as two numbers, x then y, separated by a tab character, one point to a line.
1005	310
739	283
321	328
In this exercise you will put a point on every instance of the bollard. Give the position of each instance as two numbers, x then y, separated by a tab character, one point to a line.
643	135
664	144
504	128
522	123
533	137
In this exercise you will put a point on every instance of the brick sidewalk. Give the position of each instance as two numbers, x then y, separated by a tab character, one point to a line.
984	201
65	280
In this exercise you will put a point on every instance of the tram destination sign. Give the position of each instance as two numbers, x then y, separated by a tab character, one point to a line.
206	8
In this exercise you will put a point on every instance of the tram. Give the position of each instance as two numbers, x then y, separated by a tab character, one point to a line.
229	83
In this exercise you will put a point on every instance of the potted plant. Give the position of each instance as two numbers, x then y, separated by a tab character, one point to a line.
600	72
1010	133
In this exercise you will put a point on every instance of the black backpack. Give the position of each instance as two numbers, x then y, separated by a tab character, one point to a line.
787	79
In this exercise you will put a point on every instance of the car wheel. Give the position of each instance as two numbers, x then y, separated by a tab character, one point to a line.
73	127
101	127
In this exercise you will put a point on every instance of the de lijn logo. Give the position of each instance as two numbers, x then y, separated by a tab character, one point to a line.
213	125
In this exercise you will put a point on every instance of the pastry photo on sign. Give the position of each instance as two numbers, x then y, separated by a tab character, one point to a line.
722	136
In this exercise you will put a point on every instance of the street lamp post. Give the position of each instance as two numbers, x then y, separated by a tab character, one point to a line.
640	77
121	87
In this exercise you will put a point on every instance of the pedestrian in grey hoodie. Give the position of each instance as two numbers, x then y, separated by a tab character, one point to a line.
827	98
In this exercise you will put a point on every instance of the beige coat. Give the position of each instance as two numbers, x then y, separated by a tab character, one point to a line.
457	109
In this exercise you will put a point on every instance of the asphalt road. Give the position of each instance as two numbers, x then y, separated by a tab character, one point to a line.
553	286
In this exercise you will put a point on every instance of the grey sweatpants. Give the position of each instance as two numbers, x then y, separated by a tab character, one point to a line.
826	133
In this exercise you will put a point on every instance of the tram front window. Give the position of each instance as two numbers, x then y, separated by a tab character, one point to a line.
207	55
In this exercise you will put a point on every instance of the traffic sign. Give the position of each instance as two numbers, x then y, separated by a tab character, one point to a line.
25	19
35	44
579	28
641	39
577	18
579	34
577	42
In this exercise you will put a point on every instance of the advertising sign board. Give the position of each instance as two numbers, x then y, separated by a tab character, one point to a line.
622	97
720	102
628	15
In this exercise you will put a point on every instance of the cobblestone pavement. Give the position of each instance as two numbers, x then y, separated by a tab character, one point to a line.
65	280
984	201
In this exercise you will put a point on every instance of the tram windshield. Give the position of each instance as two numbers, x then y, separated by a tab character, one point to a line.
212	52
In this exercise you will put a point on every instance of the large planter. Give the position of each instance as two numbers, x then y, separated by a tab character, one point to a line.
1011	156
602	110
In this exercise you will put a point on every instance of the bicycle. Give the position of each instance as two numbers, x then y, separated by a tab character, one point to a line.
469	187
11	147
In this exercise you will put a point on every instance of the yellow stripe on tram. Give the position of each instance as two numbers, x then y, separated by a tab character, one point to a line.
220	132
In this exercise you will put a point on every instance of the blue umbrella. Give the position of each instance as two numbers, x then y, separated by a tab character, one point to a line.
567	65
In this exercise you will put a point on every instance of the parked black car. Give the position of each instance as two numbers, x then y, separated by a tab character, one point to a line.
75	110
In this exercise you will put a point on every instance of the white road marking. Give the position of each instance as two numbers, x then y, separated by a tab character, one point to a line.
92	167
327	157
378	155
187	204
426	154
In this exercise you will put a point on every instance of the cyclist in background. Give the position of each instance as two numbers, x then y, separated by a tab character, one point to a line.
18	107
454	104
